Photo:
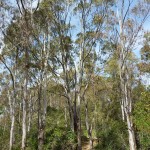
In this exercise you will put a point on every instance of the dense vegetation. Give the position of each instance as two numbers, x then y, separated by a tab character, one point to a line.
70	75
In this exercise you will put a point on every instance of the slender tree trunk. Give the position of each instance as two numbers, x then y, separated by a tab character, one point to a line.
132	141
25	95
65	116
126	103
42	107
88	127
79	123
12	122
24	116
4	127
30	114
42	110
90	136
122	109
42	116
71	112
127	109
40	120
74	117
12	132
20	110
128	112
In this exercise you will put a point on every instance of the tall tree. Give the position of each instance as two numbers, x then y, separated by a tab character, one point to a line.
129	29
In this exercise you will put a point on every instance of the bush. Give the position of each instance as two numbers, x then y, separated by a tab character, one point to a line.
112	136
142	120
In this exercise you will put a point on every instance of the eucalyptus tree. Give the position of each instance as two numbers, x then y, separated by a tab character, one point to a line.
131	17
9	58
41	65
86	43
18	40
11	95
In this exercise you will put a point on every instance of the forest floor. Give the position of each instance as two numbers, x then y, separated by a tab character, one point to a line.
86	145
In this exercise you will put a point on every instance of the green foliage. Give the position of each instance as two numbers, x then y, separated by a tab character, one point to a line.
144	66
142	111
59	138
142	119
57	135
137	91
32	139
4	138
112	135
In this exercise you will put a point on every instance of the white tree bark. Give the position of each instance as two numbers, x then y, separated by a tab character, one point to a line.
24	119
30	109
12	116
131	133
126	104
43	90
12	102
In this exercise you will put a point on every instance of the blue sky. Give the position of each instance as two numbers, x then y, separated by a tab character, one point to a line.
137	51
146	24
75	22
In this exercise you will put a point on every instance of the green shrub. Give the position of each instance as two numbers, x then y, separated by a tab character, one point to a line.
112	136
142	120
